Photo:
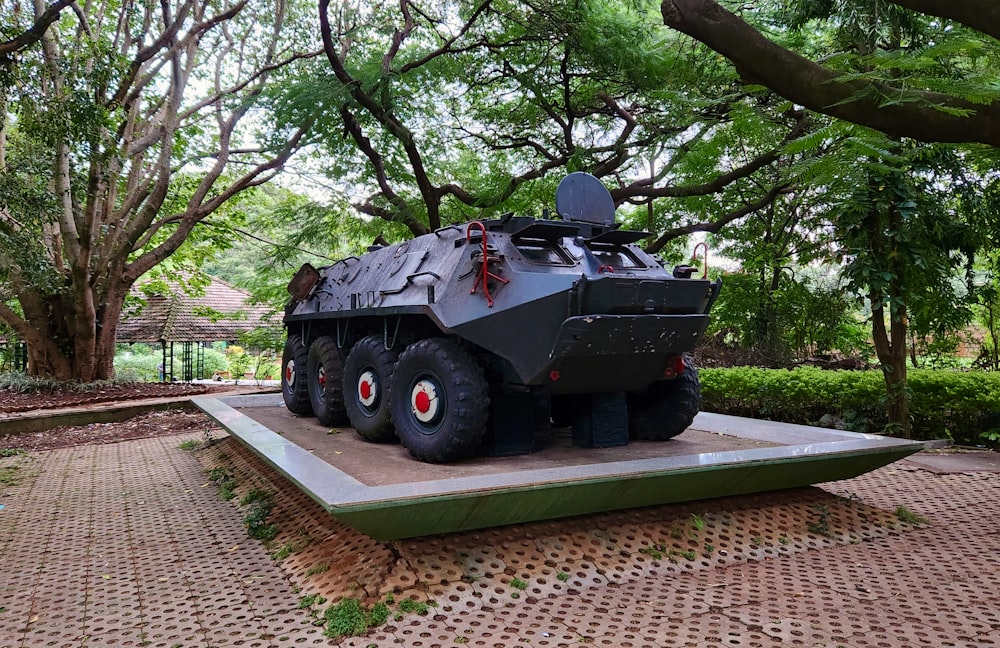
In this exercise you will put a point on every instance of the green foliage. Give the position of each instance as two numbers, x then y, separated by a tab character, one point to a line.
260	503
143	363
349	618
964	406
798	319
907	516
239	361
24	384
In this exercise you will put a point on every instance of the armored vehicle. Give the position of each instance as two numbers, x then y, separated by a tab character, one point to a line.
475	337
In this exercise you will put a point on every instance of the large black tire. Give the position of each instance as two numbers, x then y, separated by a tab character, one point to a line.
325	369
294	383
666	408
439	400
367	373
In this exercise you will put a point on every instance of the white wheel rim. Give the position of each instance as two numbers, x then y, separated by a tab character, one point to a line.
424	401
367	389
290	373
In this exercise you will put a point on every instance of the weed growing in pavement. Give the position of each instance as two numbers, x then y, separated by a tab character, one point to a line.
907	516
10	476
350	617
12	452
564	576
410	605
517	583
318	568
189	444
227	483
654	551
310	600
822	524
260	503
345	619
285	551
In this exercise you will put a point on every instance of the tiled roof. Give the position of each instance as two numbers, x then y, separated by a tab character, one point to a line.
179	317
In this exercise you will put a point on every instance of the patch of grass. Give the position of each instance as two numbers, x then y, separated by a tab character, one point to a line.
654	551
409	605
260	503
310	600
12	452
517	583
226	481
821	526
189	444
350	618
285	551
907	516
563	576
345	619
318	568
255	496
10	476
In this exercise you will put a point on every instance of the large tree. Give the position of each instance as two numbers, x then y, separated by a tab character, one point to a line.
431	113
126	125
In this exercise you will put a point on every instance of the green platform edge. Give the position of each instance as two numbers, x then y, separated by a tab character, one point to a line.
469	508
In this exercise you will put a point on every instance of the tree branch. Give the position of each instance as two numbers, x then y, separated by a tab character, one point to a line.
716	225
894	110
33	34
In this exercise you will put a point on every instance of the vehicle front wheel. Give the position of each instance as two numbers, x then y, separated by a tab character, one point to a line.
666	408
294	383
325	369
439	400
367	373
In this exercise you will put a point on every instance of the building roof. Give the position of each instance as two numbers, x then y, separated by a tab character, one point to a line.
179	317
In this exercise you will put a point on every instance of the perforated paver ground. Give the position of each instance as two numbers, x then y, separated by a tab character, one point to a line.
128	544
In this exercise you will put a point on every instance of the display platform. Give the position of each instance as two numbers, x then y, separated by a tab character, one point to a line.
381	491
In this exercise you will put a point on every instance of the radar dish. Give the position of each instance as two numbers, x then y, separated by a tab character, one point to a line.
582	197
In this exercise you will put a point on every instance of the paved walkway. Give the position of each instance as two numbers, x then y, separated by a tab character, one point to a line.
127	545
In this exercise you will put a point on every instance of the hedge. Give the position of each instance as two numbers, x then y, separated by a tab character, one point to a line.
964	406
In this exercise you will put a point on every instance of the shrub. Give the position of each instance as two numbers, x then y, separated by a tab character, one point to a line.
964	406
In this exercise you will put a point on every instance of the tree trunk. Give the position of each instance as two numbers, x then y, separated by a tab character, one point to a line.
69	340
890	339
890	347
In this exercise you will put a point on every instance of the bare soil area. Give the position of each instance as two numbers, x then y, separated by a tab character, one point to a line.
12	401
152	424
161	423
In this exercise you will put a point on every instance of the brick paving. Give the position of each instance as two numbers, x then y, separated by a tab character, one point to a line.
128	545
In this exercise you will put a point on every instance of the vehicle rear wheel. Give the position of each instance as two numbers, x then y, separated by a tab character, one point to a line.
439	400
325	369
367	373
294	382
666	408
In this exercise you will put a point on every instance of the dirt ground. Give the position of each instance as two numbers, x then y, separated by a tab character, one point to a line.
152	424
12	401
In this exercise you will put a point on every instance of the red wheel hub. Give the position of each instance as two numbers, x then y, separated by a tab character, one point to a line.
422	402
365	389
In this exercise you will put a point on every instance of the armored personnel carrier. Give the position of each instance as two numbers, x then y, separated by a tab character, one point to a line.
477	336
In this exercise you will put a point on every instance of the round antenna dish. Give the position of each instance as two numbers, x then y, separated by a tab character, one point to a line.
582	197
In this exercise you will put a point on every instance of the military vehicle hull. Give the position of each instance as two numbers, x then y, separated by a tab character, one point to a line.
479	334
